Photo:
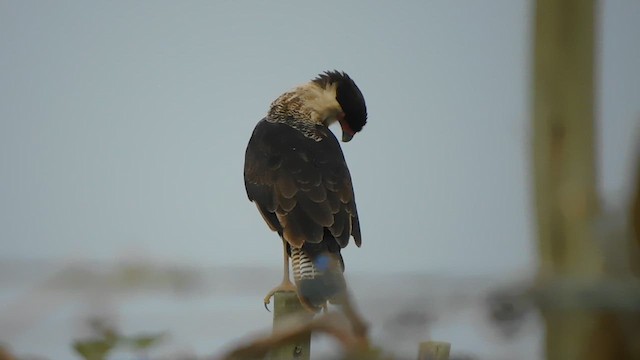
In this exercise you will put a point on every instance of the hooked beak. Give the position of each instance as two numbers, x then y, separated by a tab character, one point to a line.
347	133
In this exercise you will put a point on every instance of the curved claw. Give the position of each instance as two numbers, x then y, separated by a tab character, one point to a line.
267	300
284	286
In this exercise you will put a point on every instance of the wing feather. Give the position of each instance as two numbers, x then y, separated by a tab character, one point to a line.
302	187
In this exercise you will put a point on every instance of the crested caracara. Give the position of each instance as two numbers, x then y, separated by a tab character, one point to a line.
296	174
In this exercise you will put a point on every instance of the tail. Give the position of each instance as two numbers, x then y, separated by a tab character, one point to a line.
318	273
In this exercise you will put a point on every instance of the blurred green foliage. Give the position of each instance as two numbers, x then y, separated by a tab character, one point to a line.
108	339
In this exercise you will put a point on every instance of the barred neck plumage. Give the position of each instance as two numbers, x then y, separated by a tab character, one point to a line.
306	107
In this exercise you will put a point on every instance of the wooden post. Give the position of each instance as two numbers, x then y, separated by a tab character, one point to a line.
434	350
634	219
565	174
288	307
563	125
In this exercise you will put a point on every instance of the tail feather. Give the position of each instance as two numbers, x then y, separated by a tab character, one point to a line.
318	276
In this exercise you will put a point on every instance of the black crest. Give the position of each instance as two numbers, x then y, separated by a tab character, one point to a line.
348	96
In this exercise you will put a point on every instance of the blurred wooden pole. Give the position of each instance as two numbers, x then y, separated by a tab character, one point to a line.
434	350
634	218
565	171
286	308
564	151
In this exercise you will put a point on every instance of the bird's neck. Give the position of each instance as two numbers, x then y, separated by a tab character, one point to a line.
309	103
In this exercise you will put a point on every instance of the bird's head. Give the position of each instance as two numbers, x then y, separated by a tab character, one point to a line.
353	114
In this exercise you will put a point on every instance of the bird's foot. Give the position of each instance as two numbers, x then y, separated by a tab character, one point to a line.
286	286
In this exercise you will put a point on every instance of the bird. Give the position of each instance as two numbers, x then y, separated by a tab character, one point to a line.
296	174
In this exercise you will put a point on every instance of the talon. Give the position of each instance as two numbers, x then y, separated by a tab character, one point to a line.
284	286
267	301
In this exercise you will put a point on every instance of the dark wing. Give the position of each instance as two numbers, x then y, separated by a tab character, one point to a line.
301	186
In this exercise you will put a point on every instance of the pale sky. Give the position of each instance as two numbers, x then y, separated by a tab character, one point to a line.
123	126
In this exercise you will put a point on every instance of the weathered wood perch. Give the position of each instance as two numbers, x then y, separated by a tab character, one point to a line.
288	307
292	329
434	350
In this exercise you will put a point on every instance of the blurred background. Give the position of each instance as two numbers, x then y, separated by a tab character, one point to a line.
122	134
